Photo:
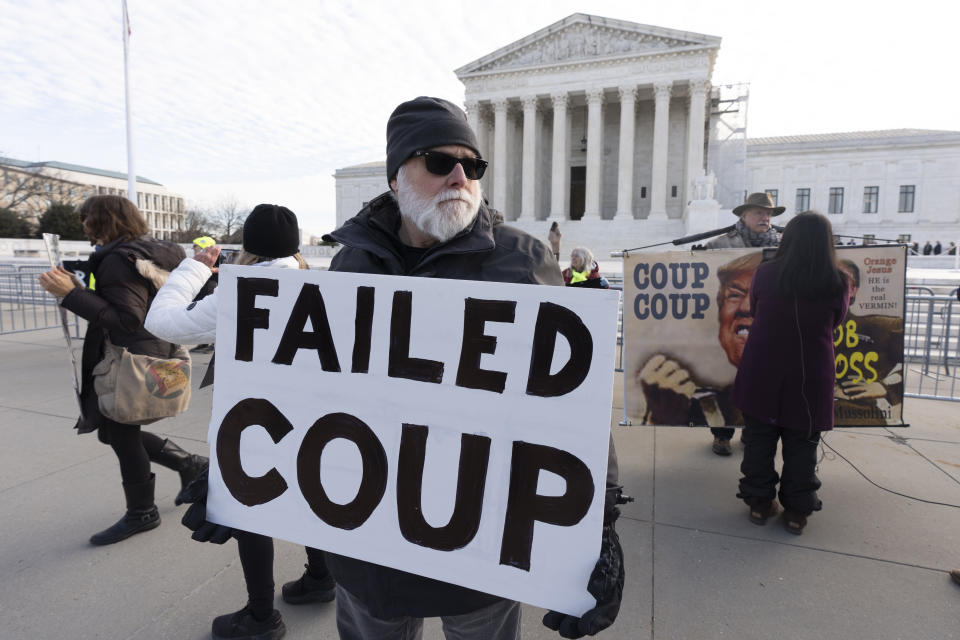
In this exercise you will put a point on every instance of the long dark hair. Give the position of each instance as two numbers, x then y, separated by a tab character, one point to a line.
807	262
112	217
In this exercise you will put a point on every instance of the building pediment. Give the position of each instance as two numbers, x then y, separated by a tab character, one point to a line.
582	38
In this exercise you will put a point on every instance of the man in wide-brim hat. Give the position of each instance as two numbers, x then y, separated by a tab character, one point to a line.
753	229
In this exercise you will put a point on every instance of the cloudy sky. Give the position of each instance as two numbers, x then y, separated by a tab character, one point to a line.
263	101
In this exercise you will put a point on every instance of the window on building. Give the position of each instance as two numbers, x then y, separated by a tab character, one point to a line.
774	195
673	191
643	192
907	193
102	191
836	200
803	200
871	199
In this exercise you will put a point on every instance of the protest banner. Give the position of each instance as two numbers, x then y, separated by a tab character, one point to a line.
686	320
869	342
453	429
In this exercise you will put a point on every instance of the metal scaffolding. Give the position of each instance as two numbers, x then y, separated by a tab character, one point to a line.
727	151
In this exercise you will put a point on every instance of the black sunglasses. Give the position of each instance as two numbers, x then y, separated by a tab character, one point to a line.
442	164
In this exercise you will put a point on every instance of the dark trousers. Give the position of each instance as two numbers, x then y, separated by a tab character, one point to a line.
133	447
256	558
499	621
798	481
724	433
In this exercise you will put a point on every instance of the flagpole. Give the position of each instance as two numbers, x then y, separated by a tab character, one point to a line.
131	172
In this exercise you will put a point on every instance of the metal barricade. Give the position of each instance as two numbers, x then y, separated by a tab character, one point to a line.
24	305
931	350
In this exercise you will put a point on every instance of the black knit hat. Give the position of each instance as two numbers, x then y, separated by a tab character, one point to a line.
423	123
271	231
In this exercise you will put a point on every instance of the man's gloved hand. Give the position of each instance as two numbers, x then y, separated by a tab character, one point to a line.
606	581
195	518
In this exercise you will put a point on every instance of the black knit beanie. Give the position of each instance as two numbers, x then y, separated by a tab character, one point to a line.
271	231
423	123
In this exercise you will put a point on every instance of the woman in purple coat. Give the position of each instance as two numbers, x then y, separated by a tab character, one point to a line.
785	380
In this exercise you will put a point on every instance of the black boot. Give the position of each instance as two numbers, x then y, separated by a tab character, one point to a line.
307	588
242	625
188	465
141	514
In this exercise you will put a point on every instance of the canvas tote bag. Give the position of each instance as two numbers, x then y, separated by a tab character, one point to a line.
138	389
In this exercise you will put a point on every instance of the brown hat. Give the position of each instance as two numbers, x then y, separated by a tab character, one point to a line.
759	201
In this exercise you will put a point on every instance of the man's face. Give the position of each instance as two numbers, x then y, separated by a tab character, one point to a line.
756	219
852	287
439	206
735	319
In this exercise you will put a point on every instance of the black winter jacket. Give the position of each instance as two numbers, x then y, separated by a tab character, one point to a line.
487	250
127	275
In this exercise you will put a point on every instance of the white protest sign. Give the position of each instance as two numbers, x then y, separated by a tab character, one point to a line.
453	429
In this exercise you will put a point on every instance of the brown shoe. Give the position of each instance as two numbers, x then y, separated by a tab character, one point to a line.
760	513
722	447
794	522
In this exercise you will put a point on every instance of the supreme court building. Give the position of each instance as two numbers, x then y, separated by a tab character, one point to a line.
613	129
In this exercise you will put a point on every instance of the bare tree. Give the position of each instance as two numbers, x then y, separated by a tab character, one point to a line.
29	191
196	222
227	217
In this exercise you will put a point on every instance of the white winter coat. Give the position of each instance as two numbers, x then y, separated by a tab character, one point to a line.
174	316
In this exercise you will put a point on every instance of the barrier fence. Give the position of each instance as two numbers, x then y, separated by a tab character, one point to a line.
24	305
931	328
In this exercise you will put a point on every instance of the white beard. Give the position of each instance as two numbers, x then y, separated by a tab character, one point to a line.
440	217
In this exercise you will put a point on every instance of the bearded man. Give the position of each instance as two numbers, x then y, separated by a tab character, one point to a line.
433	223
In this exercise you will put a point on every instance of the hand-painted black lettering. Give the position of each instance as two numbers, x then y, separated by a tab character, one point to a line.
363	329
475	343
248	412
373	482
551	320
309	306
400	364
467	509
525	506
250	317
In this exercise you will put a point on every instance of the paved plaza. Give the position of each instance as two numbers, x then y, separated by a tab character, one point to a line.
870	565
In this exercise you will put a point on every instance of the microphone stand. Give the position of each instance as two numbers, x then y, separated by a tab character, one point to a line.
684	240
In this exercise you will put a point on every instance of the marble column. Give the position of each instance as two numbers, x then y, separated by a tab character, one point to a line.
695	129
628	101
483	140
528	183
658	172
472	107
500	154
561	154
594	153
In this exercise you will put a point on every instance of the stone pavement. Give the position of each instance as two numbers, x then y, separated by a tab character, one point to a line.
870	565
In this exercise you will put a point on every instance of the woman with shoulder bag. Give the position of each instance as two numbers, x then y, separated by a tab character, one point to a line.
129	267
785	381
271	238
